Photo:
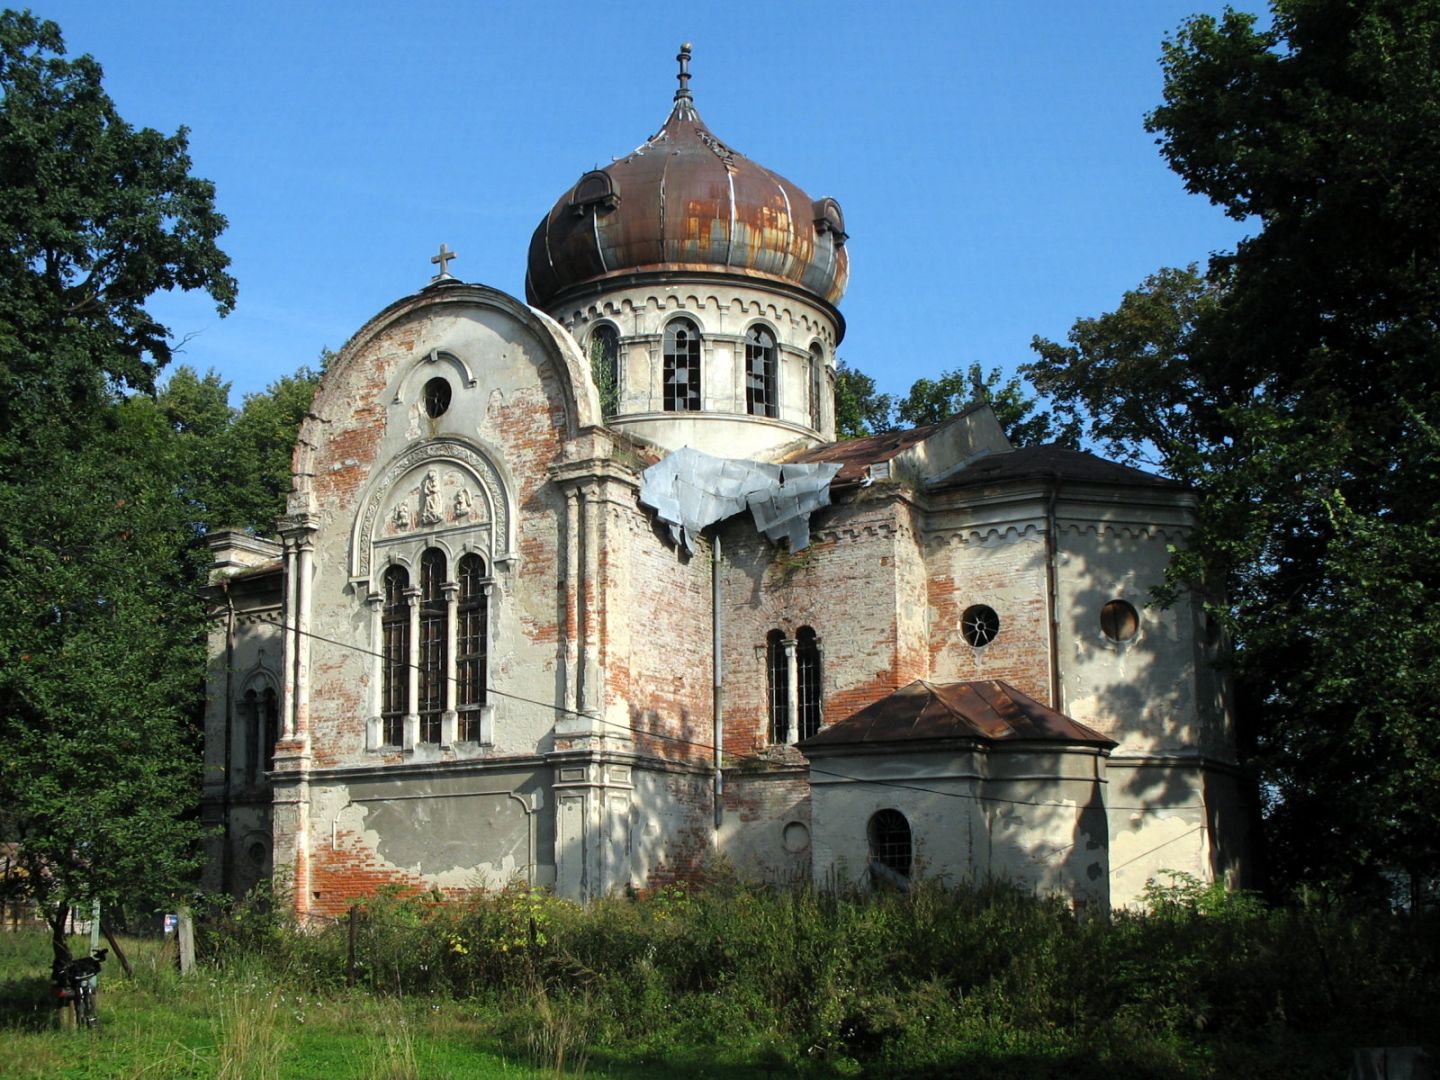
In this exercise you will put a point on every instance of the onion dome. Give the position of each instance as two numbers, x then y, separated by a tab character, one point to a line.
685	203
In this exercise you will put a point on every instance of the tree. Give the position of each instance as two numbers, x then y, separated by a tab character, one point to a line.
237	461
859	409
933	400
1296	385
100	627
96	217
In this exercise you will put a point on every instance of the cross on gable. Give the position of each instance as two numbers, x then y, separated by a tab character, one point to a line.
442	260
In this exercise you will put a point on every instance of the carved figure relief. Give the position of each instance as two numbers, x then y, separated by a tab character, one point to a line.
430	513
438	486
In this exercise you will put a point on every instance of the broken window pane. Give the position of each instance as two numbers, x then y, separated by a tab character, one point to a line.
682	366
979	625
760	396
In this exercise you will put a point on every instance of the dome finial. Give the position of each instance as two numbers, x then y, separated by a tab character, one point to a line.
683	94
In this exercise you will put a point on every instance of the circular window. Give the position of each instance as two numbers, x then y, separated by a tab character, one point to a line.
979	625
437	397
257	853
796	837
1119	620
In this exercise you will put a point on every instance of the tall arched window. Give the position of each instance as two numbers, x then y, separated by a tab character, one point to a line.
778	665
682	366
889	836
760	396
470	647
807	681
605	367
812	385
270	735
395	647
432	644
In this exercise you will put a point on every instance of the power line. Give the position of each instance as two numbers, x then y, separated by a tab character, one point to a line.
744	758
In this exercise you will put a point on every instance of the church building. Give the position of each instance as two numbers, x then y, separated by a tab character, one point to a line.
580	590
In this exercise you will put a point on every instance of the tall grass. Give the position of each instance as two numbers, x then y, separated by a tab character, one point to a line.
739	980
983	978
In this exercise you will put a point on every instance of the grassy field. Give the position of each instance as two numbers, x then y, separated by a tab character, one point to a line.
738	981
238	1024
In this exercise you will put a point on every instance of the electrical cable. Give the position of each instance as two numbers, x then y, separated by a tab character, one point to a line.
744	758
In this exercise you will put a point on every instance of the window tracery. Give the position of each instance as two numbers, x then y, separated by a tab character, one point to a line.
471	646
682	366
432	644
760	379
395	651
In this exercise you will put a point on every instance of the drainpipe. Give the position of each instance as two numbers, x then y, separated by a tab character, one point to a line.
719	704
225	857
1052	584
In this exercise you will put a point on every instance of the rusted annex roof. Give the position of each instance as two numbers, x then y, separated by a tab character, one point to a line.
1051	460
855	456
986	709
685	202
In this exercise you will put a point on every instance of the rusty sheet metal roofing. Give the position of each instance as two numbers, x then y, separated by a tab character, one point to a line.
690	490
1038	462
987	709
855	456
685	201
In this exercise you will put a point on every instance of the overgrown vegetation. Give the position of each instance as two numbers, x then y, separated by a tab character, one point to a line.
738	980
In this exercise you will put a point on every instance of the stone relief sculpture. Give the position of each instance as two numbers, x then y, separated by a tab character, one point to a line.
430	498
464	507
401	518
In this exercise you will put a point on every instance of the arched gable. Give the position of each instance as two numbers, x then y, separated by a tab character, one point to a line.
579	400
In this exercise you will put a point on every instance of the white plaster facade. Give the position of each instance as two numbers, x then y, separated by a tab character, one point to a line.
626	733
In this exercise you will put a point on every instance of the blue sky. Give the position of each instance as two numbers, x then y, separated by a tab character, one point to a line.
990	156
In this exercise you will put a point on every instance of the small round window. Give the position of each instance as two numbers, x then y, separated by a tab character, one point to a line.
979	625
1119	620
437	397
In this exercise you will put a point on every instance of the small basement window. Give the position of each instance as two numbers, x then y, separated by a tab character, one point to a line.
1119	620
889	837
437	397
979	625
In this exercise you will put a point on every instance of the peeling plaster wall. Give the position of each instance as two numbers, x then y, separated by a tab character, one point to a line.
1033	817
514	414
478	829
766	834
996	559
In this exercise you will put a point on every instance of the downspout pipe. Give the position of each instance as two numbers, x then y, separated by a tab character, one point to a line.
719	691
1052	587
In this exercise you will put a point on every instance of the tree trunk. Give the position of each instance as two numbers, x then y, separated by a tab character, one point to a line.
59	947
108	931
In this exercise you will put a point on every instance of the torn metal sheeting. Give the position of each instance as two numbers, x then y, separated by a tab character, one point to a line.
689	490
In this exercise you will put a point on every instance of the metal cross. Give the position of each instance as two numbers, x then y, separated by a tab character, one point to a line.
442	260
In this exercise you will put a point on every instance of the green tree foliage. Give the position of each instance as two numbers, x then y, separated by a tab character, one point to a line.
100	628
96	216
99	654
1296	384
860	409
933	400
237	461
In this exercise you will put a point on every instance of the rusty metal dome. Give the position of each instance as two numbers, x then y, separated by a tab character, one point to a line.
684	203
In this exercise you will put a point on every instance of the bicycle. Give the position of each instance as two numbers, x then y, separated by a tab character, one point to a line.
73	983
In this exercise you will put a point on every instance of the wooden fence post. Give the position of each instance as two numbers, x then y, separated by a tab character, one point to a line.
350	957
